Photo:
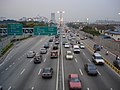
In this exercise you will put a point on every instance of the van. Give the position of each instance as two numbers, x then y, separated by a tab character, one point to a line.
76	49
97	59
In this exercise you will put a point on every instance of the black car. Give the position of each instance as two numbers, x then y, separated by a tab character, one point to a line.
38	58
90	69
47	72
96	47
1	88
116	63
55	47
57	42
51	40
46	45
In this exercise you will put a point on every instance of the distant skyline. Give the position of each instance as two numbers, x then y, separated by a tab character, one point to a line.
75	10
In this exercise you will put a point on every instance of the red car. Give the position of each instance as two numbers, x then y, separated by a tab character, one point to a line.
54	54
74	82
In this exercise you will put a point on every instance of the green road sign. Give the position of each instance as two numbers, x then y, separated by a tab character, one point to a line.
14	29
45	30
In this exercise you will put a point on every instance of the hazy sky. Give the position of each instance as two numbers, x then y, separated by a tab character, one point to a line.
74	9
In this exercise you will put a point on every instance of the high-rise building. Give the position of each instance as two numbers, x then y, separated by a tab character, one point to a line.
53	17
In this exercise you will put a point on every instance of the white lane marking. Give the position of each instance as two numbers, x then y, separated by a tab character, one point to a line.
88	89
57	73
80	71
62	67
83	53
98	72
2	72
89	60
76	60
9	88
1	64
44	59
39	72
31	60
10	65
6	69
22	71
111	89
32	88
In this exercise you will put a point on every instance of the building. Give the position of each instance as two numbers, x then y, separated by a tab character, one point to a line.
53	18
115	34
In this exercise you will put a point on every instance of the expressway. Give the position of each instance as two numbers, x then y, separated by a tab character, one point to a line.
18	72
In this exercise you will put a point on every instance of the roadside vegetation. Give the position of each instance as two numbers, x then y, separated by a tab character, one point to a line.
91	30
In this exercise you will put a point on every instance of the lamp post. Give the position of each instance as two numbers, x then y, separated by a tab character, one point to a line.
61	17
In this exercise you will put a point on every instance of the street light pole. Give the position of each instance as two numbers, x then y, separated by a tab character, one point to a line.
61	17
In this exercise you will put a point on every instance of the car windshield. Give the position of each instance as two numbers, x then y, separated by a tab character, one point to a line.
98	57
75	80
92	67
46	70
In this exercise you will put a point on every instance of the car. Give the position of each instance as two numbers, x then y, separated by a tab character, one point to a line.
82	46
67	45
54	54
47	72
69	55
43	51
116	63
46	45
63	36
97	59
63	43
55	47
51	40
76	49
30	54
57	42
38	58
96	47
90	69
82	38
1	88
74	82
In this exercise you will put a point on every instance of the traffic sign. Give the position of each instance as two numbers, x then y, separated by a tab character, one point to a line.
44	30
14	29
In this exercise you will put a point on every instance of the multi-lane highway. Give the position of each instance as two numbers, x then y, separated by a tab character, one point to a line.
18	72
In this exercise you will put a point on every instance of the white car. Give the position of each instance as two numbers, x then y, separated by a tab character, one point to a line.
69	55
97	59
82	46
30	54
67	45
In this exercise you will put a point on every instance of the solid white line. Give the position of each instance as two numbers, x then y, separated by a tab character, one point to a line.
89	60
22	71
80	71
88	89
62	67
76	60
39	72
32	88
98	72
57	73
9	88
